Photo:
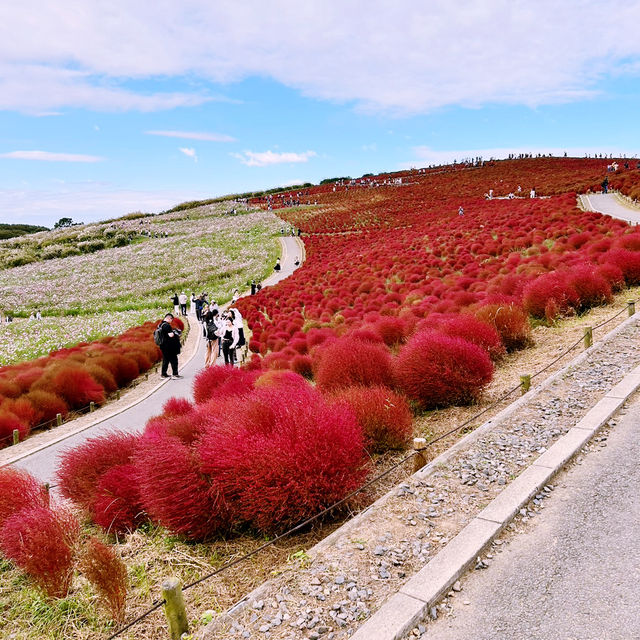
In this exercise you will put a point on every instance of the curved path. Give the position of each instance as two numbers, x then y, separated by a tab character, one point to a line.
611	204
43	462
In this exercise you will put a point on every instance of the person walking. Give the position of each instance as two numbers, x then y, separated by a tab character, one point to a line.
235	297
210	330
198	305
605	185
183	303
229	335
253	287
236	317
169	343
460	211
192	308
277	266
176	304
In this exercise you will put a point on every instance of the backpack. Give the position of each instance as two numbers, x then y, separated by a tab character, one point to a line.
211	331
158	335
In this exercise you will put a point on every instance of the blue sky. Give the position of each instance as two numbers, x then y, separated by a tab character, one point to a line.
119	106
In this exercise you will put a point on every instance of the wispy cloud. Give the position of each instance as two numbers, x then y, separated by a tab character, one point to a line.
49	156
193	135
190	152
267	158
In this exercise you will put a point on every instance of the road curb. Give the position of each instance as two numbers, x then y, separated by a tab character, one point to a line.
400	613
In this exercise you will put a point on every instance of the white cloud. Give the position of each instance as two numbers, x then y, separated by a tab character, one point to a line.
48	156
190	152
402	57
424	155
193	135
266	158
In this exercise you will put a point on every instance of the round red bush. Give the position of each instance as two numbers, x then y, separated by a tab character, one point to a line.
77	387
302	365
436	370
221	381
473	330
41	543
117	507
346	362
286	456
8	423
383	415
174	491
550	295
19	490
80	469
592	288
47	404
510	321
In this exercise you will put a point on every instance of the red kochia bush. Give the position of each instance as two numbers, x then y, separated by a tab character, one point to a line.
8	423
436	370
383	415
221	381
346	362
174	491
473	330
287	455
19	490
107	573
40	542
117	507
510	321
80	469
628	262
47	404
592	287
77	387
550	295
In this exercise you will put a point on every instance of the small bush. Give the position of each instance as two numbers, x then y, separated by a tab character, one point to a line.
473	330
592	288
47	404
218	381
550	295
80	469
40	542
436	370
77	387
302	365
383	415
117	507
107	573
19	490
8	423
346	363
510	321
286	455
174	491
627	261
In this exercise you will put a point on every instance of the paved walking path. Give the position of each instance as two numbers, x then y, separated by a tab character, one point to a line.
611	204
574	574
43	462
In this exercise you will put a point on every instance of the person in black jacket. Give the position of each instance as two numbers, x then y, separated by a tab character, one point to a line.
170	347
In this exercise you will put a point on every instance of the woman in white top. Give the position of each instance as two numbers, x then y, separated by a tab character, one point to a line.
237	323
192	308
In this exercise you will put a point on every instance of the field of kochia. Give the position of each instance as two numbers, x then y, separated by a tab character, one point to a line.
402	305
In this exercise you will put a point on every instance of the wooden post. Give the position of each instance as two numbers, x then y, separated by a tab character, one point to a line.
631	307
16	436
92	406
174	608
419	460
58	419
588	337
118	394
525	381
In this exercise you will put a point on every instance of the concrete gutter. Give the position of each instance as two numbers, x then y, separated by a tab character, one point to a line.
400	613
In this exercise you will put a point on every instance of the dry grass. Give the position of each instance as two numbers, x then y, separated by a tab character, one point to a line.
151	555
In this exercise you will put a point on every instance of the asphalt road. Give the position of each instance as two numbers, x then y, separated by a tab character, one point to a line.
43	463
574	574
609	204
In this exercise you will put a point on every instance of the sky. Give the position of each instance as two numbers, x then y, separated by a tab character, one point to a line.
114	106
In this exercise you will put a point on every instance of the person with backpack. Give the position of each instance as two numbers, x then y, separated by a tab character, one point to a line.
168	339
210	330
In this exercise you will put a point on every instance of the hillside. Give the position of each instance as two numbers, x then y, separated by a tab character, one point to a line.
14	230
